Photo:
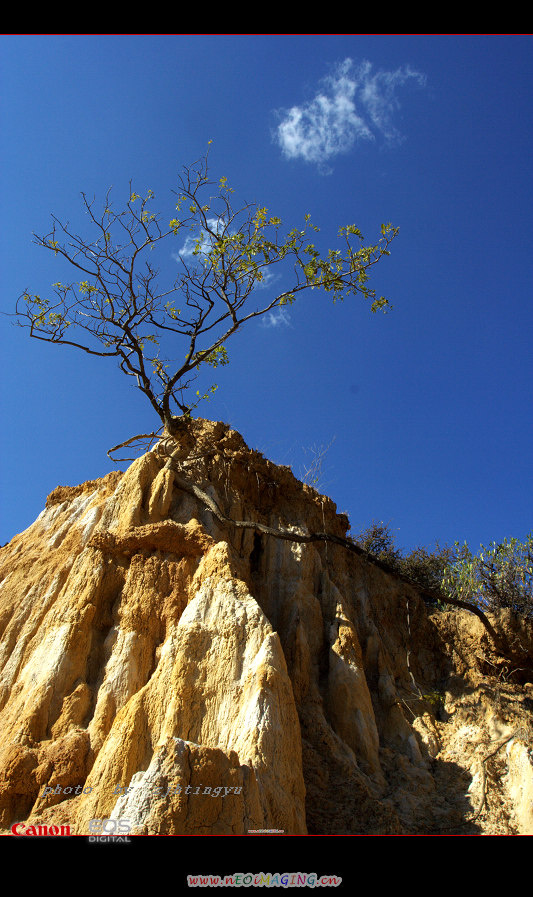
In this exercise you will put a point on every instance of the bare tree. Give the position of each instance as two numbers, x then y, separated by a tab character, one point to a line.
312	473
116	308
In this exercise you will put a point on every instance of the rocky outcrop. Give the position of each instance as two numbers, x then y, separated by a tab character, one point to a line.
163	666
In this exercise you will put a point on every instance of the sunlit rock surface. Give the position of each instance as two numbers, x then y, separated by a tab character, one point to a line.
193	677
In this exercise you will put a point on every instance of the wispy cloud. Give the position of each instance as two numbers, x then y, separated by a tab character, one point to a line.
280	317
352	104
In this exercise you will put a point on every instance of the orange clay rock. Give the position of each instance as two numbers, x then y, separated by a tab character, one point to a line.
163	666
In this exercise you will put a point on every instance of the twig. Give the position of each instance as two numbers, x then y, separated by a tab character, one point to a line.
151	436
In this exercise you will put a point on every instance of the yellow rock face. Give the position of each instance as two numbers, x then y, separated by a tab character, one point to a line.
188	676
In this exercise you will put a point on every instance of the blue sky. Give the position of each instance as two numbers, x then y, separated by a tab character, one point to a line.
427	409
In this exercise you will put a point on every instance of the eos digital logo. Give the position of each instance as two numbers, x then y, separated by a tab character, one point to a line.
109	829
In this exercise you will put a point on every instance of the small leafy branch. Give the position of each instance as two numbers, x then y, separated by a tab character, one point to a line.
162	335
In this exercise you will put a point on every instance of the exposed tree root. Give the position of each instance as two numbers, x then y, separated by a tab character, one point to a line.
484	774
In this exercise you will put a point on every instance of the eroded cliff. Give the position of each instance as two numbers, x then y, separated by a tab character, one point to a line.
162	665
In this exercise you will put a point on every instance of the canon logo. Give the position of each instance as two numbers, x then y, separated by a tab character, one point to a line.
18	828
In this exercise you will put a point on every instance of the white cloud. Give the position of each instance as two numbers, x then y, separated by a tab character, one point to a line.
351	105
277	318
378	95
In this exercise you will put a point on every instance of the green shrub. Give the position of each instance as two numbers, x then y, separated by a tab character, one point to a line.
499	576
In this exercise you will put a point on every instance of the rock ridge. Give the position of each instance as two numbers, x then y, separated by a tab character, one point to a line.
149	650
